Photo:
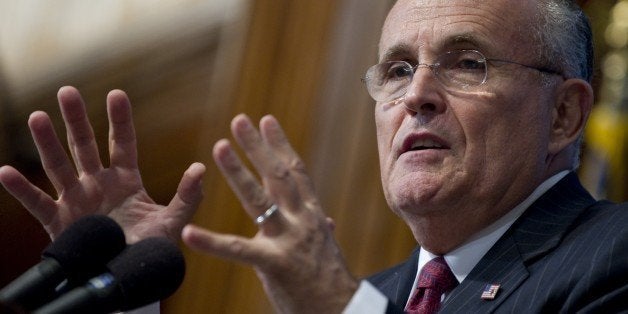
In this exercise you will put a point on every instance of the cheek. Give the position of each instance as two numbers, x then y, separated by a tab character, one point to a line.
386	129
505	139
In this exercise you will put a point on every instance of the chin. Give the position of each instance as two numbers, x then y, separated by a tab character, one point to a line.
414	197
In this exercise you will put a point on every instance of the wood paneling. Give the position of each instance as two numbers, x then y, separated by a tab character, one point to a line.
283	60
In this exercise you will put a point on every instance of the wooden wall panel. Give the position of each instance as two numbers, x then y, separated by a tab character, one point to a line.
283	59
344	153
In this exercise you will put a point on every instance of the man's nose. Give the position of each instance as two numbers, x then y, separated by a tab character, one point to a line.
425	92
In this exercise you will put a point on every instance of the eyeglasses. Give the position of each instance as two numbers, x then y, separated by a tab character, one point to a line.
459	70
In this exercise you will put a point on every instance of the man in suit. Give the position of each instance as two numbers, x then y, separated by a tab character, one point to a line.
480	108
496	198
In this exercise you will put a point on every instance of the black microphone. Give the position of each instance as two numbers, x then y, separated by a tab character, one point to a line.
79	253
145	272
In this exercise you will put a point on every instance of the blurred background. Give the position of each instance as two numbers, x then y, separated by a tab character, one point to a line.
189	66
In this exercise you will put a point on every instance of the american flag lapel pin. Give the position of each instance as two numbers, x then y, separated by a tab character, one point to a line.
490	291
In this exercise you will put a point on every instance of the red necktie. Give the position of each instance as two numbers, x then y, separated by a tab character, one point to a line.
435	279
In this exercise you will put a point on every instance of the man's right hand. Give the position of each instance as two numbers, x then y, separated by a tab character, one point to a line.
84	186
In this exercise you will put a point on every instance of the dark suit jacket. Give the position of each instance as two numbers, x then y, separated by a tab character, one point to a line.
567	253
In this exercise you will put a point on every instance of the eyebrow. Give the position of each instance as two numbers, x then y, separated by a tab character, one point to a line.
401	50
462	39
396	52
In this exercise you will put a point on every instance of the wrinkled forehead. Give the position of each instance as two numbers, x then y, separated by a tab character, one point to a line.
498	26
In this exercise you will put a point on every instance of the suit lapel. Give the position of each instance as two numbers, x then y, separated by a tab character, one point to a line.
407	275
398	285
502	265
538	231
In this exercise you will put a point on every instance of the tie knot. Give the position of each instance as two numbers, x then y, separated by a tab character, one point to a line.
437	275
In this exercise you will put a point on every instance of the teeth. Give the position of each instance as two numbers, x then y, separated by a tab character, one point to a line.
427	143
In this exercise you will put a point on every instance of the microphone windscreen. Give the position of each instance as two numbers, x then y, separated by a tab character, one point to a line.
147	271
86	246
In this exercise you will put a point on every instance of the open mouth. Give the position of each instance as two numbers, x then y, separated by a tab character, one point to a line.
425	144
422	142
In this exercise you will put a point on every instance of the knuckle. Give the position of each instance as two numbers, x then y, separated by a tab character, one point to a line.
256	197
235	247
231	164
279	171
248	188
297	165
312	204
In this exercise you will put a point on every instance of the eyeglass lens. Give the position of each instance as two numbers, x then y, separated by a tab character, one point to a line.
459	69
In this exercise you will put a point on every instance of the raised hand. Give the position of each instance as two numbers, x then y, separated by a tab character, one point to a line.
294	253
84	186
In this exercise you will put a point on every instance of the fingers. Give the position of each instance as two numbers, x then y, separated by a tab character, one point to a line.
231	247
243	183
274	173
277	141
38	203
54	159
122	140
281	170
81	138
189	193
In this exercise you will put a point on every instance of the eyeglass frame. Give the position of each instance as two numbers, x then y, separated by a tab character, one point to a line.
434	67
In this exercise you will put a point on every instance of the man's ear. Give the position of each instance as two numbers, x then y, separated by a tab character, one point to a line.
574	100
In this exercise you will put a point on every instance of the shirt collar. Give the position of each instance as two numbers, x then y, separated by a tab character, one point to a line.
462	260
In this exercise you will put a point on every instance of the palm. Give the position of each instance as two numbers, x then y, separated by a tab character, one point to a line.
117	193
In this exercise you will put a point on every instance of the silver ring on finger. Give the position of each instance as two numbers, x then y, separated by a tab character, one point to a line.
267	214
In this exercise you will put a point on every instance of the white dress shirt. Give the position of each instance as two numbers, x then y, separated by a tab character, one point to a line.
461	261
